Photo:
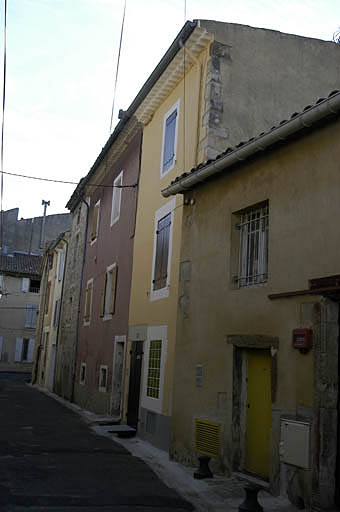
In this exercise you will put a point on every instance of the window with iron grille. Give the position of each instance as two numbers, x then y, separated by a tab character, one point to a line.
253	248
154	369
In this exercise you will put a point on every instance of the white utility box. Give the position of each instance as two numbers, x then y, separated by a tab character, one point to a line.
295	443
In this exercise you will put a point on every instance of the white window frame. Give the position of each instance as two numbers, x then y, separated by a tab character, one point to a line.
82	381
165	118
108	316
87	322
93	241
156	332
167	208
103	389
116	198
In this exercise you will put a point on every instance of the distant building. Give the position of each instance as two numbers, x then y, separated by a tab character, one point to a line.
20	287
26	234
23	244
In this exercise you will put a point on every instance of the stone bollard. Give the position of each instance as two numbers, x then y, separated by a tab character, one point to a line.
251	504
204	470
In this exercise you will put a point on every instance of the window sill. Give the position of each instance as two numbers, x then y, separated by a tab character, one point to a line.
107	317
92	242
162	293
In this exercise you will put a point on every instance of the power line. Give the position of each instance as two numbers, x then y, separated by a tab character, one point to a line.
66	182
3	126
117	69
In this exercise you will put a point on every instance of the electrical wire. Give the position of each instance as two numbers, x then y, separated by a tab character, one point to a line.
3	127
117	69
67	182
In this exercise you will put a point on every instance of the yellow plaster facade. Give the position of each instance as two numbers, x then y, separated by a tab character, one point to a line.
222	322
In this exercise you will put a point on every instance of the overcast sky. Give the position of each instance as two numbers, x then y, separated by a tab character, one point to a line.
61	61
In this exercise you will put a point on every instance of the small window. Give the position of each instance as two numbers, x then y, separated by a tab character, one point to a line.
162	252
47	297
102	378
82	377
24	349
75	249
109	292
78	215
169	139
56	313
253	246
34	286
95	221
88	301
31	316
116	198
154	369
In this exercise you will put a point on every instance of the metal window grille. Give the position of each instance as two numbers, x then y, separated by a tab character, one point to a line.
253	255
154	370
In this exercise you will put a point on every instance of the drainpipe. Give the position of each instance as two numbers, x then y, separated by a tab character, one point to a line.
60	312
42	232
78	313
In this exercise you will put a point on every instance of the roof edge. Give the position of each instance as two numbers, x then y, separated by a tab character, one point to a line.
298	122
174	48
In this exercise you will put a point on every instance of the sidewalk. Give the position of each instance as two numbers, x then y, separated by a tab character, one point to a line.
219	494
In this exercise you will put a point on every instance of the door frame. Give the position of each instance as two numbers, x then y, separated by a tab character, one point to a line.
122	340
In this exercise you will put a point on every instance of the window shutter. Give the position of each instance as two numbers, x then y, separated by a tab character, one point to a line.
18	350
61	266
169	141
30	351
25	284
48	292
31	316
1	339
113	289
1	282
103	295
95	222
116	198
34	317
162	253
88	301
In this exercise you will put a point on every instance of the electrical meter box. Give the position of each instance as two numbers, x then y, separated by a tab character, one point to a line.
302	338
295	443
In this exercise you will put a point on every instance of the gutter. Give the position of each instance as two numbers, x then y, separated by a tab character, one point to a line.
181	38
305	119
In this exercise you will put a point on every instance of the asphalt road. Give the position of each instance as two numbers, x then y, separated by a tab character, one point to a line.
50	460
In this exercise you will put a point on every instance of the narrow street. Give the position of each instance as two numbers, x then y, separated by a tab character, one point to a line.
51	460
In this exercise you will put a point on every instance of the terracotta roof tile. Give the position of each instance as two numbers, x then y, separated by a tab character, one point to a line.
20	264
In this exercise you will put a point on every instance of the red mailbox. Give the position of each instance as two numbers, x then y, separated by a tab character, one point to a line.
303	339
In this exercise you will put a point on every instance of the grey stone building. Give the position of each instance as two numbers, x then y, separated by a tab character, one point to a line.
25	235
69	315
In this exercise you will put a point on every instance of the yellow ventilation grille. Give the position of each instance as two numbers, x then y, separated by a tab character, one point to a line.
207	437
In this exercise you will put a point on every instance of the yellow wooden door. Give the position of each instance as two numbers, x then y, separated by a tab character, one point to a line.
259	412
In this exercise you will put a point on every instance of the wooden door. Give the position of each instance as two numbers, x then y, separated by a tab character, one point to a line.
136	359
258	413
